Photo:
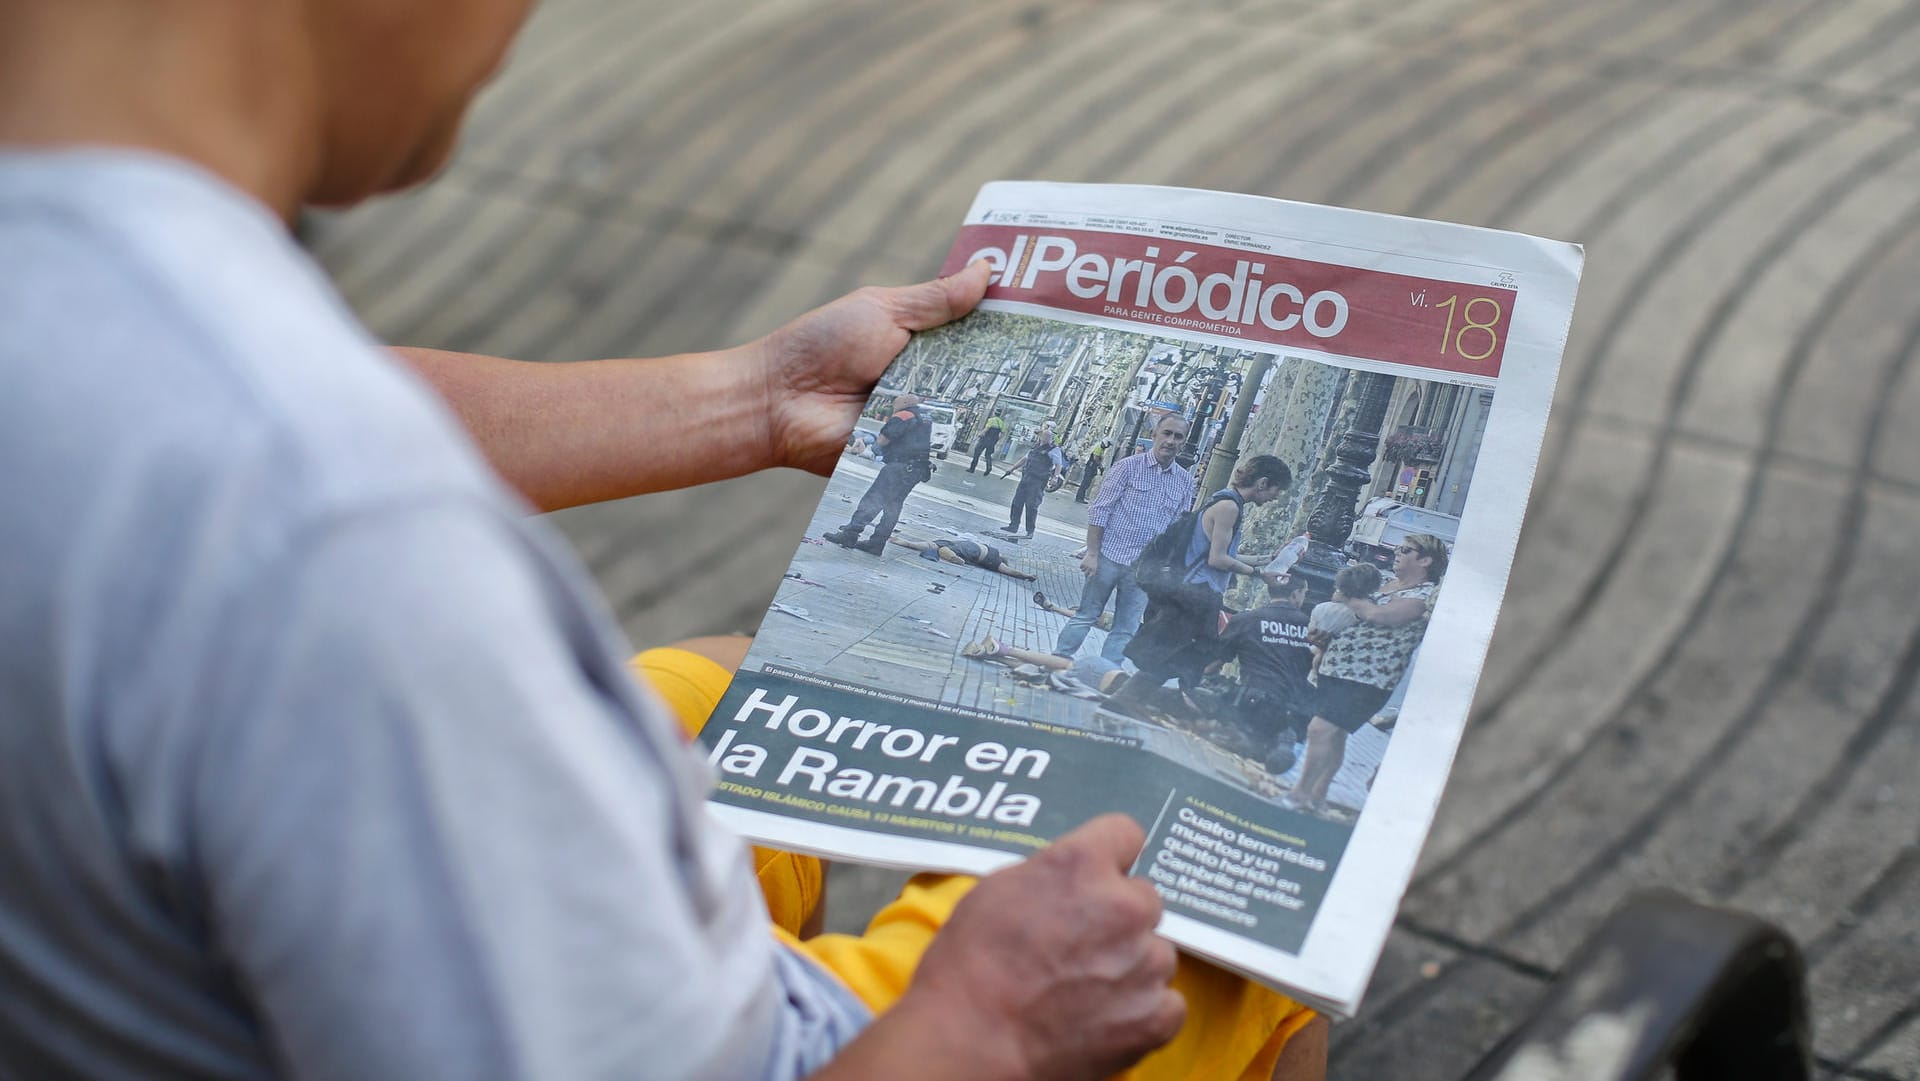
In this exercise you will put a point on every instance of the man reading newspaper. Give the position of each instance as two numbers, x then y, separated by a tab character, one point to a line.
320	758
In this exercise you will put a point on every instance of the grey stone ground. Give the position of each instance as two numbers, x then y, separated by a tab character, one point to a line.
1704	674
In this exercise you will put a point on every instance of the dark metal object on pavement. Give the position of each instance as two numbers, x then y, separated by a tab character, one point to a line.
1667	984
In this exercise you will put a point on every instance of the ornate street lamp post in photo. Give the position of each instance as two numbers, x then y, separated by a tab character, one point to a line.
1336	504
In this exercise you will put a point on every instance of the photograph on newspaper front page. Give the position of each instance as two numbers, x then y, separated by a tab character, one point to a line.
1175	535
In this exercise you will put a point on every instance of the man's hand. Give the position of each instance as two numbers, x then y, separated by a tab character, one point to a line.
1090	562
819	368
1050	969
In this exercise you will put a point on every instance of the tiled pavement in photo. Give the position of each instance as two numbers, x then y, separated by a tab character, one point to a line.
900	622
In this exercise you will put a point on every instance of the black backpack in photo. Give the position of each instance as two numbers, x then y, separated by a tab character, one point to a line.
1162	569
1162	563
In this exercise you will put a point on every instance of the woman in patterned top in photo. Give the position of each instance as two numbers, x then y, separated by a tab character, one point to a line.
1362	664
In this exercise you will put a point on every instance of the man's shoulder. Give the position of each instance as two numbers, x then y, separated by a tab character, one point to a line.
182	358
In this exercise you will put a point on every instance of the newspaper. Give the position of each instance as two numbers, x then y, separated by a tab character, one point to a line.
911	709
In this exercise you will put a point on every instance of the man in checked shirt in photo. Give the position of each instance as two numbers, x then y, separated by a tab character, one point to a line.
1141	496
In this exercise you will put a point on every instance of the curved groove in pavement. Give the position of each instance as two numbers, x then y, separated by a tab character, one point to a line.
1808	625
830	45
1646	281
826	118
1085	58
1425	202
1429	126
1383	1014
1893	700
679	122
1764	257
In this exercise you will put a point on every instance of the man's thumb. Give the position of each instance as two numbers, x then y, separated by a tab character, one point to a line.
942	300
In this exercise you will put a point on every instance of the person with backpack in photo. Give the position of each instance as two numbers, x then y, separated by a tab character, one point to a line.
906	439
1143	494
1180	636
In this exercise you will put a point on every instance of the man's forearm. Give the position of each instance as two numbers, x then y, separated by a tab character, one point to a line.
567	434
1393	613
915	1041
1095	534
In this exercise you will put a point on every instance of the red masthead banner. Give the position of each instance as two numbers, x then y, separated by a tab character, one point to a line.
1261	298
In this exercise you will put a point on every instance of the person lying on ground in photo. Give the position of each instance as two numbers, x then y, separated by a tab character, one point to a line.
1105	622
1094	673
965	550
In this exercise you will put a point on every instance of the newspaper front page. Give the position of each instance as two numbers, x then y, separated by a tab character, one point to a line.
957	697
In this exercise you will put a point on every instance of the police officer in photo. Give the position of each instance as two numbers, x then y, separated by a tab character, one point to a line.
905	438
989	439
1042	465
1096	458
1270	642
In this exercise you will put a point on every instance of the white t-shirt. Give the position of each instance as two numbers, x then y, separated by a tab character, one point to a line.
319	756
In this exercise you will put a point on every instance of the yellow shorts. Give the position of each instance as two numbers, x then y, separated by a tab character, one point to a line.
1235	1028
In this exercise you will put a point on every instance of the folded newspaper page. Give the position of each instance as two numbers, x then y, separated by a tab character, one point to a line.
1008	618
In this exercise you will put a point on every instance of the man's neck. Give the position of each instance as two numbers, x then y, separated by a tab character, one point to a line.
233	95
